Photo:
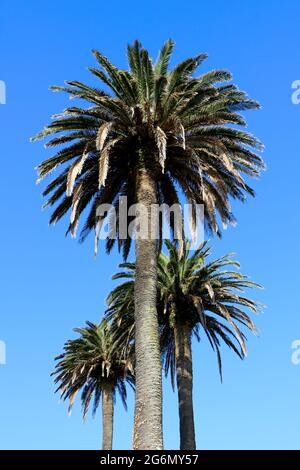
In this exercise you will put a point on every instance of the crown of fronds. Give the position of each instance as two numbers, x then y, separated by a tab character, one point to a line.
95	360
209	296
173	123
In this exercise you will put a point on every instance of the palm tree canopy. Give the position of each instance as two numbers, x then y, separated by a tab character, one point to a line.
171	122
206	295
91	362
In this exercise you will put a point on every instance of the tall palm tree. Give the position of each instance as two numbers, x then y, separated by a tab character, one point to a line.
99	365
194	295
153	131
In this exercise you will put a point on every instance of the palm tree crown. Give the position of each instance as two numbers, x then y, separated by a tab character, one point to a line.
91	363
169	122
207	296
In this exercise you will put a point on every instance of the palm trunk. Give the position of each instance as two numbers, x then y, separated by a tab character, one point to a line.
107	417
148	401
184	377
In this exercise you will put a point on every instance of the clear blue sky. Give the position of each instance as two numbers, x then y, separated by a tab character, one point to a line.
50	284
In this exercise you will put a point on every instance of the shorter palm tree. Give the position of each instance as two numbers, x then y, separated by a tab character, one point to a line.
98	364
194	295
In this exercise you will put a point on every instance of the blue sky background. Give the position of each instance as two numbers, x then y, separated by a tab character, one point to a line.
50	284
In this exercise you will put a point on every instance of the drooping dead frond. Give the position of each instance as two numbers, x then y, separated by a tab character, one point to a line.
74	219
71	401
182	136
103	167
102	134
161	142
104	163
73	213
76	199
74	172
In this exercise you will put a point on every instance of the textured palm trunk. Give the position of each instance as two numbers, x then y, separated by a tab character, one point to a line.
184	377
148	374
107	418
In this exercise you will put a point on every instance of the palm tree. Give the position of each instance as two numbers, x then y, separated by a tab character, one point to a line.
98	364
194	295
153	132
